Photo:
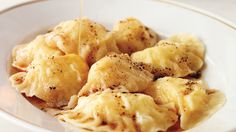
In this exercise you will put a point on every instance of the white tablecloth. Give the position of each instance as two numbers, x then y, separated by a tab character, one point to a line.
223	8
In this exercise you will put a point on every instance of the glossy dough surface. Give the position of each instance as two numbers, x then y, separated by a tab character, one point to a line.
53	80
23	55
117	71
131	35
89	39
177	56
112	111
192	99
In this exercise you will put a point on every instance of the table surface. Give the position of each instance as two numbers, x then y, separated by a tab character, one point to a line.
222	8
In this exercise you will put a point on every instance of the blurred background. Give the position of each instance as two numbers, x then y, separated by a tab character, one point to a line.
222	8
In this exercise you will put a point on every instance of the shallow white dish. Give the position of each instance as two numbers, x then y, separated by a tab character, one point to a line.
20	24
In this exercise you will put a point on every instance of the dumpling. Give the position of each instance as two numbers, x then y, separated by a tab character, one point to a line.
122	112
23	55
172	58
95	43
53	79
89	39
190	42
117	70
131	35
193	101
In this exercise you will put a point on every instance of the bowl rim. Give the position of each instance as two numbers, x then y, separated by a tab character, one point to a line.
28	125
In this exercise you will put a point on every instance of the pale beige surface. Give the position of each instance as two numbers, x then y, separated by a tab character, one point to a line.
6	3
6	126
223	8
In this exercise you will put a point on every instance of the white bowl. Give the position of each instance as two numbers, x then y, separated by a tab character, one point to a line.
22	23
